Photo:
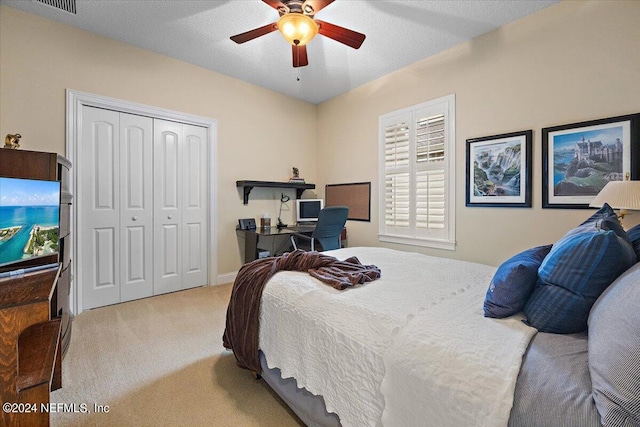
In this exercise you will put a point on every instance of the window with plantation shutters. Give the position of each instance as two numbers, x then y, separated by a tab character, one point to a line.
417	157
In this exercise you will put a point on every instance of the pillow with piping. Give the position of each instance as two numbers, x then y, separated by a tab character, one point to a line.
614	351
513	283
576	271
634	236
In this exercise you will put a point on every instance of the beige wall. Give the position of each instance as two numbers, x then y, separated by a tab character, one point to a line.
40	58
571	62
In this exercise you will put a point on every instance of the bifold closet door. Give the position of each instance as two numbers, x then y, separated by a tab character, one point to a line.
115	207
195	205
136	207
180	206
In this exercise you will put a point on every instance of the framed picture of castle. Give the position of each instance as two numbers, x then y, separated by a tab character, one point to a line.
579	159
499	170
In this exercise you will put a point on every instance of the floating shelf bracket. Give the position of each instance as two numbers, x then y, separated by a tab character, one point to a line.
247	186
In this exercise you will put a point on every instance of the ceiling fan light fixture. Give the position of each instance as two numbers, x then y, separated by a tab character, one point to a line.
297	29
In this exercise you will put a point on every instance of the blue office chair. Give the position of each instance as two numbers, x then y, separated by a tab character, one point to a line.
328	229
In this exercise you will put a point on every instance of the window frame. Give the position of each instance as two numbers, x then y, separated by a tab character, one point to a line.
411	235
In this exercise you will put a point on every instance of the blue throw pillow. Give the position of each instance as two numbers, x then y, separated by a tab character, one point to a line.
513	283
604	218
634	235
578	269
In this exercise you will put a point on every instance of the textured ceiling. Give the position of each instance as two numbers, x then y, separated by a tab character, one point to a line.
398	33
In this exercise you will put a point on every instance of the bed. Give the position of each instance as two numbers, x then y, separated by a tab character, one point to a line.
415	348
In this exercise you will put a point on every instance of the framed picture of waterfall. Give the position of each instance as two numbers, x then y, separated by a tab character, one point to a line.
499	170
579	159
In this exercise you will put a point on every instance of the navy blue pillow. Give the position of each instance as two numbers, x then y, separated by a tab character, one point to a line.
513	283
578	269
634	236
604	218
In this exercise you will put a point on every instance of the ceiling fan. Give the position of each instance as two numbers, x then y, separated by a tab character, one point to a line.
298	26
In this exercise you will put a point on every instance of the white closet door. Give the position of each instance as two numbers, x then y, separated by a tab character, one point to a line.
194	212
168	181
136	209
142	204
98	195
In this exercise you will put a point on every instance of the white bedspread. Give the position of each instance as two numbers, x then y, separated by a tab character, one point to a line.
370	350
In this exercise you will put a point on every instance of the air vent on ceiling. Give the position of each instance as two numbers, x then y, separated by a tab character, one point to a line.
66	5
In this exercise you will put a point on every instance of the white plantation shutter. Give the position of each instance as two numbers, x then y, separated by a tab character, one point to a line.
397	200
430	200
397	159
430	138
430	172
396	140
417	155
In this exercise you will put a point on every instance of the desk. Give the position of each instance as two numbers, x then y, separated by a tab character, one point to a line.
273	239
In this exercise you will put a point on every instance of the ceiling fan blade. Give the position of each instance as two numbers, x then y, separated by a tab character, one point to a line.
343	35
255	33
274	3
299	56
317	5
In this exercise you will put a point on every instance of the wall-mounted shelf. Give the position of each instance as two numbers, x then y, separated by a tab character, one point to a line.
247	186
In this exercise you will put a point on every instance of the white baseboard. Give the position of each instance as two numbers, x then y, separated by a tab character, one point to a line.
226	278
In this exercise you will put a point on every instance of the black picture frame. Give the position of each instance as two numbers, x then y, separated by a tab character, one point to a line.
578	159
486	160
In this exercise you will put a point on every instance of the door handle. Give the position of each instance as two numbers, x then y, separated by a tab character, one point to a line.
169	216
135	218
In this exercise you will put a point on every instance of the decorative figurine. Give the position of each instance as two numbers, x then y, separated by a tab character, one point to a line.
296	177
12	141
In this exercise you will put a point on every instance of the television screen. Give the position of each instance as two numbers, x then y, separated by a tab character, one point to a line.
29	218
308	209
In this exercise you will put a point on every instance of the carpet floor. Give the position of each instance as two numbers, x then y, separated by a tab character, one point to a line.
160	362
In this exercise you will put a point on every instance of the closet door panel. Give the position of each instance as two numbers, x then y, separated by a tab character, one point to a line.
195	207
168	181
136	213
99	191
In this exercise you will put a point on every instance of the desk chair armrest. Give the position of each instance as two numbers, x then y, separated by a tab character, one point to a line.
303	236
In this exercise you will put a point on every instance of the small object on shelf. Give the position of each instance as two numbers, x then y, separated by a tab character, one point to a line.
296	177
12	141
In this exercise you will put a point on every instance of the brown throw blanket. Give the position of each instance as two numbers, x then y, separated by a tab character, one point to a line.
243	313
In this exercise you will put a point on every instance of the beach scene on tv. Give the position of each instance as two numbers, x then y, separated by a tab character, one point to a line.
29	218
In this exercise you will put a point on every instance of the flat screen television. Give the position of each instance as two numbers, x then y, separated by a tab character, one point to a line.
29	219
307	210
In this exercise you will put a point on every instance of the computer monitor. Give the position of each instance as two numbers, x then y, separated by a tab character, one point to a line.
307	210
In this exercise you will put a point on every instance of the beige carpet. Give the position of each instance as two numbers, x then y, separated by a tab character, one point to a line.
160	362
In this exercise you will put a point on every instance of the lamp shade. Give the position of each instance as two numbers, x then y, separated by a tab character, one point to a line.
297	29
619	195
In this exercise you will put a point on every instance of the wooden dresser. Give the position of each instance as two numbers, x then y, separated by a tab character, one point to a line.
52	167
30	360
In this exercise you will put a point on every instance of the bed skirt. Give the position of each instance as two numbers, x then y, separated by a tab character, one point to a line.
307	406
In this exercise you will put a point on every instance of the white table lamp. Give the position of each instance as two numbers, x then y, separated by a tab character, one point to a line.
622	195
